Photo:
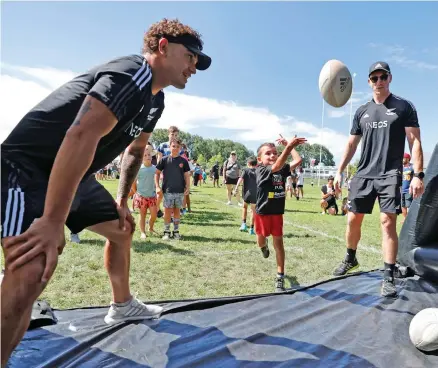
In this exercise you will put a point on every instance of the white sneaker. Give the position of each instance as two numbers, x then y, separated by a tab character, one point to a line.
239	204
228	203
74	238
135	310
143	236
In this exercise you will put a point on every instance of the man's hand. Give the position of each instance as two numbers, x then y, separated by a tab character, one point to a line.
44	236
124	214
416	189
338	181
187	191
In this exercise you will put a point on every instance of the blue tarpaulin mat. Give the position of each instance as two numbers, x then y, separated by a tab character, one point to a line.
342	322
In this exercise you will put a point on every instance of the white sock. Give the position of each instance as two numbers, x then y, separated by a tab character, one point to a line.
125	304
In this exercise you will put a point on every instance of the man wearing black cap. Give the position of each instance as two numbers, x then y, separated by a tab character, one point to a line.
383	125
48	165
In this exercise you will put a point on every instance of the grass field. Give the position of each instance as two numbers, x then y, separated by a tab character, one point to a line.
214	258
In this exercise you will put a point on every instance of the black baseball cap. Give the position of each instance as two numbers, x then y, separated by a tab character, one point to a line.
194	45
379	65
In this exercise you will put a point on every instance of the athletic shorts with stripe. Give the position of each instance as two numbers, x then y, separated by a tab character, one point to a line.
23	193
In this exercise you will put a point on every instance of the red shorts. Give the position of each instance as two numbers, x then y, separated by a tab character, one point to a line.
144	203
268	225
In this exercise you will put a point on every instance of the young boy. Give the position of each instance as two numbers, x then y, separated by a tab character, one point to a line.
248	177
145	196
176	184
271	174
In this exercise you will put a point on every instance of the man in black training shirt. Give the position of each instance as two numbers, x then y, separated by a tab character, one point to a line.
49	159
383	124
271	174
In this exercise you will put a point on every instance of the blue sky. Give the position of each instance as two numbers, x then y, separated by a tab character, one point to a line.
266	60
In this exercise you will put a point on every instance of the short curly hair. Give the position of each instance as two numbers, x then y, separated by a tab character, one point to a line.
166	27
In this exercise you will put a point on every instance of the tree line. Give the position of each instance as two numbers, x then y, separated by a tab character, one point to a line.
207	151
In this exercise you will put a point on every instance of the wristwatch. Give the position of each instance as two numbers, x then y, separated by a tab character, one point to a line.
419	175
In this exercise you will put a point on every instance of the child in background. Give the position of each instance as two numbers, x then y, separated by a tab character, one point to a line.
145	196
271	174
176	184
248	177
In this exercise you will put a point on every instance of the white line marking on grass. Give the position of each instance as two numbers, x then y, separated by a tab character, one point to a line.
365	247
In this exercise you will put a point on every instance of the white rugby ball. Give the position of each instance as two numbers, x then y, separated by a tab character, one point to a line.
335	83
423	329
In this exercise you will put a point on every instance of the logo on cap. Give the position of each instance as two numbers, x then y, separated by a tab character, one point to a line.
378	66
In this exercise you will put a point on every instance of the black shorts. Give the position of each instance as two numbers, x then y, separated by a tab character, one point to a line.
23	193
250	199
362	194
294	185
333	205
231	181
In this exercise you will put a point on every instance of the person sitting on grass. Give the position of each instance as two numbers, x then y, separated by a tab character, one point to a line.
145	196
176	184
271	177
328	201
248	177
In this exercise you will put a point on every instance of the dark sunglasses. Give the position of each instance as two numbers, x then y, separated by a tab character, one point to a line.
383	77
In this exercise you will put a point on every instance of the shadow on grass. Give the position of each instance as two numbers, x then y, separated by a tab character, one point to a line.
197	238
187	221
301	211
146	247
291	235
100	242
205	217
293	281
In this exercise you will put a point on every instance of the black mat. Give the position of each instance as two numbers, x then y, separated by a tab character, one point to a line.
338	323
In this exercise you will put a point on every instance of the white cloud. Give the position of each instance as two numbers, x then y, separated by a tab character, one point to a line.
397	54
247	124
337	113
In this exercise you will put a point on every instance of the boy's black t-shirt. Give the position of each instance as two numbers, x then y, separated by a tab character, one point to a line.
249	182
331	200
173	169
271	195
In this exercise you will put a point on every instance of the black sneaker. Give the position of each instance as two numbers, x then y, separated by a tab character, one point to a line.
265	250
279	285
160	214
401	272
388	289
346	267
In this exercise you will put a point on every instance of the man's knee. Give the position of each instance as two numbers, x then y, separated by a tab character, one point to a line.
24	285
355	220
388	221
